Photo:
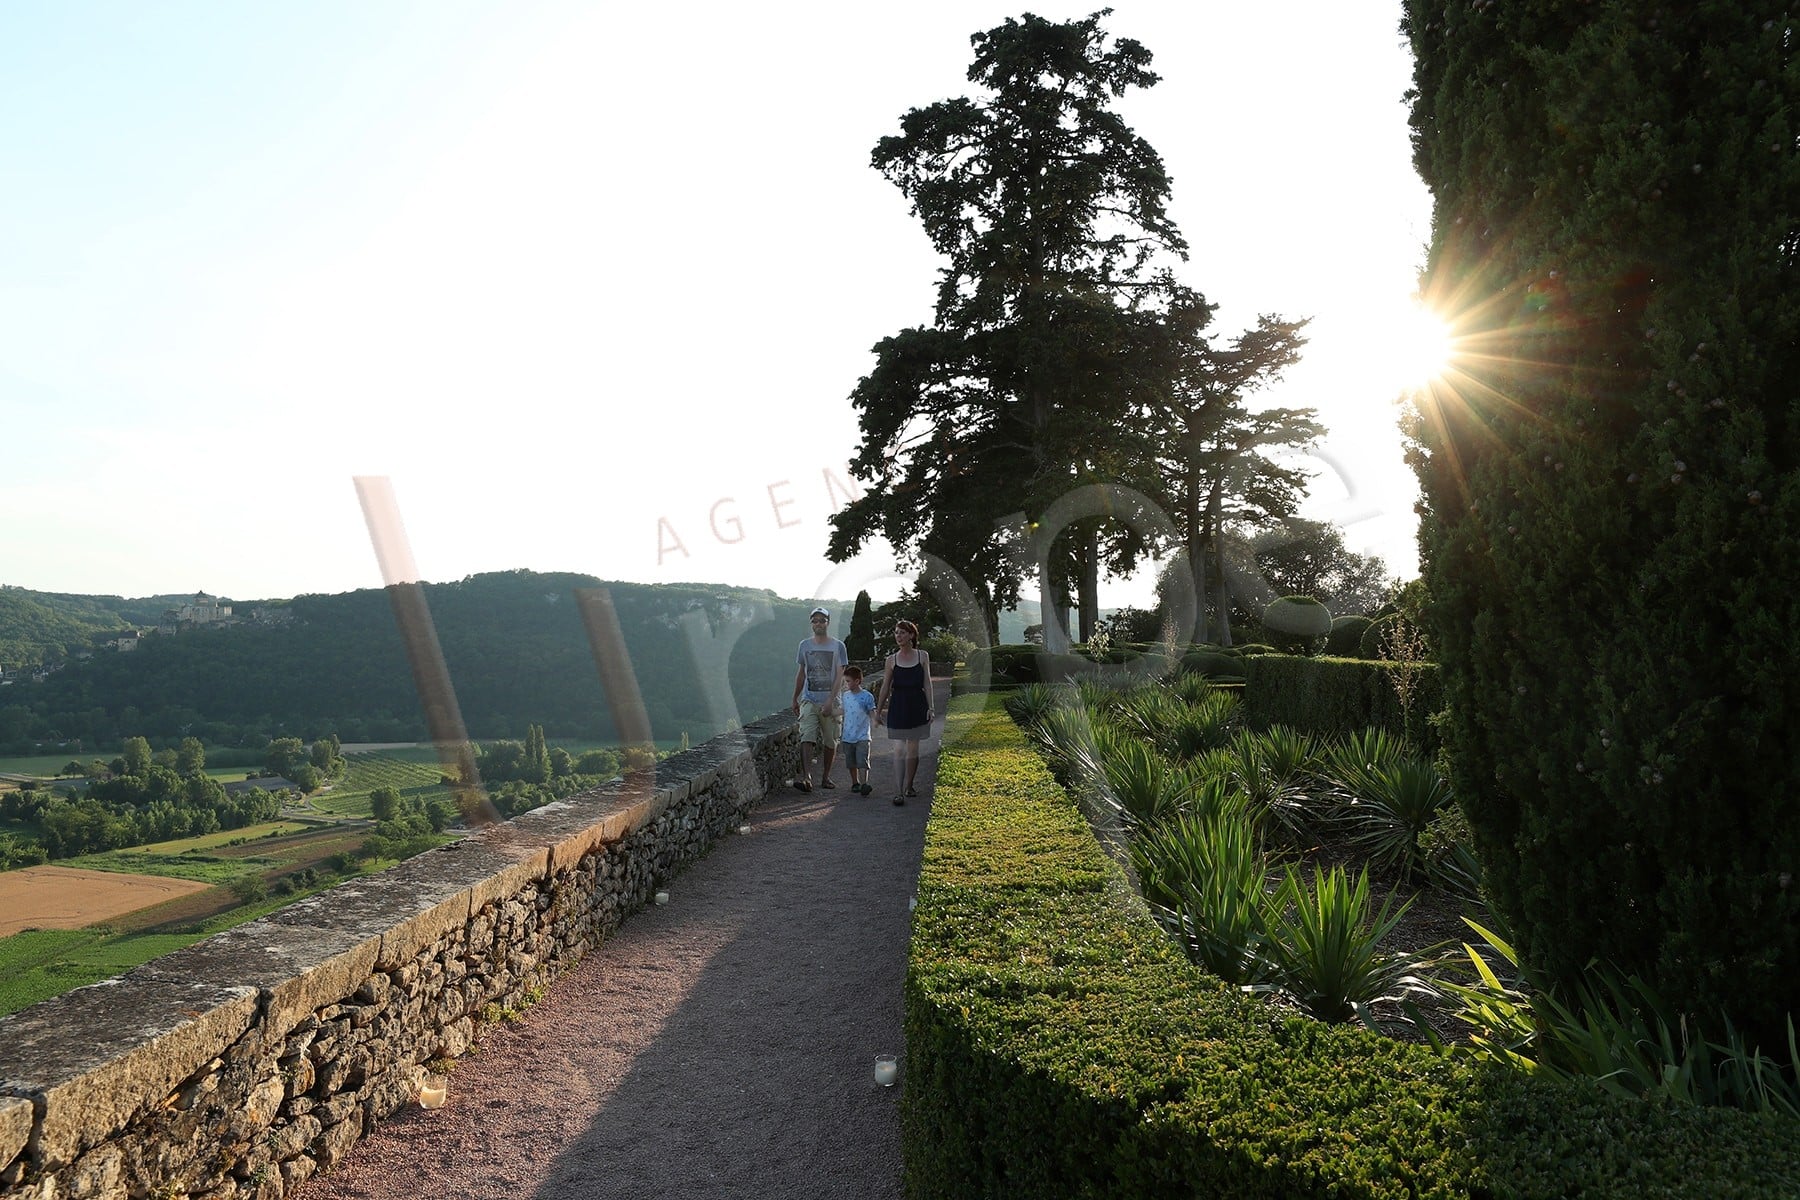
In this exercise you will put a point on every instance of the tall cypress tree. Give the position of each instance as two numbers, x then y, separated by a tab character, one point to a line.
1611	518
861	642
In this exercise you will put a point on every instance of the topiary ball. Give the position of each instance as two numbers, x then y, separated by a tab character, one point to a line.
1345	638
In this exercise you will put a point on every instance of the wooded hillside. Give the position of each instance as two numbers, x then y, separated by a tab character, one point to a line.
514	643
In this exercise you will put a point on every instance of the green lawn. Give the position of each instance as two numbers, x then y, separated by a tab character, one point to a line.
44	766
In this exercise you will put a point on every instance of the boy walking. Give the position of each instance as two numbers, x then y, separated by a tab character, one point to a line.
857	705
822	659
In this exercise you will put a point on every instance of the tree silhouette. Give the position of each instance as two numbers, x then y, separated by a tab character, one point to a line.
1050	213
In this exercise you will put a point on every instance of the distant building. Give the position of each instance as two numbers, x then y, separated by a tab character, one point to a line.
127	640
201	610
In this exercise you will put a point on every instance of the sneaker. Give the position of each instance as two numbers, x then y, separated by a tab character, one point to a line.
899	799
867	788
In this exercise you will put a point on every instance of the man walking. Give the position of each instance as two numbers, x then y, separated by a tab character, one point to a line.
821	660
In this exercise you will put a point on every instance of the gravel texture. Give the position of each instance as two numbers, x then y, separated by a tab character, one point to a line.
721	1045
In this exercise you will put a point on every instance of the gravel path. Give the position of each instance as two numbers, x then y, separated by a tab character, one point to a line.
722	1045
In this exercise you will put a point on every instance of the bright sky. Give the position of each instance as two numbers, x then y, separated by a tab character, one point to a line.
585	281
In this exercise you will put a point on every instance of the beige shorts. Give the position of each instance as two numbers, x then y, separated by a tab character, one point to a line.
818	727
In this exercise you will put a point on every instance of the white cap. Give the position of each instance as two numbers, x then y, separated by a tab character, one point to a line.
819	612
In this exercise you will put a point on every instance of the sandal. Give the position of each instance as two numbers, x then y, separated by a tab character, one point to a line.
911	792
826	783
801	785
899	799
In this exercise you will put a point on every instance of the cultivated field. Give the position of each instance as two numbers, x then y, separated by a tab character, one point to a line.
47	897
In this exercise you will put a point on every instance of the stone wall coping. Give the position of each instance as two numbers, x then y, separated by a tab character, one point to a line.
90	1059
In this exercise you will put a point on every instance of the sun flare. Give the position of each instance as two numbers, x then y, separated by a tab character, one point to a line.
1423	347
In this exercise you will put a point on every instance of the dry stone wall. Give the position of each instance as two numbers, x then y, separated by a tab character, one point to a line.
247	1062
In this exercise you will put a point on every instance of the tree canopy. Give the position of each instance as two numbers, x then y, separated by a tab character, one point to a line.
1051	215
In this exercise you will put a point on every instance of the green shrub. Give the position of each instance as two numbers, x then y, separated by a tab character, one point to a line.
1630	507
1345	638
1213	664
1337	696
1376	637
1058	1045
1297	624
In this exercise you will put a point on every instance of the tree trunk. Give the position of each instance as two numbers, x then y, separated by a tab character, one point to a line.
1195	545
1214	520
1089	600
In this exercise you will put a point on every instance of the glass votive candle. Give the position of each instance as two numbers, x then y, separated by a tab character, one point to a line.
886	1070
433	1091
662	897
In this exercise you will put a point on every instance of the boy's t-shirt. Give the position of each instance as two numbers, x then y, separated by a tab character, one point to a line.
857	707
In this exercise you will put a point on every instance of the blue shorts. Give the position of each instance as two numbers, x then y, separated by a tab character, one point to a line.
856	755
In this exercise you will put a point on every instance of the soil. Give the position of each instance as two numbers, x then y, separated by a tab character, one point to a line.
722	1045
47	897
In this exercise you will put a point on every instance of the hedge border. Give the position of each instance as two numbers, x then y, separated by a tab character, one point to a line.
1057	1045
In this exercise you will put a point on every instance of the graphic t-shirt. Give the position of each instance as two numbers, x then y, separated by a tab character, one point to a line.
857	707
821	660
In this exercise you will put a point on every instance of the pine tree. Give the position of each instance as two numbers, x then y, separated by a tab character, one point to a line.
1611	517
1051	215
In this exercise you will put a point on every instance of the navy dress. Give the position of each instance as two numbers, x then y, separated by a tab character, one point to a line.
908	706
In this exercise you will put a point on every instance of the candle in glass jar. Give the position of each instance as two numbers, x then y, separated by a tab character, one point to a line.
886	1070
433	1091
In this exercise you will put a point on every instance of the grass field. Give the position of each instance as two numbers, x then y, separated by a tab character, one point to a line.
37	965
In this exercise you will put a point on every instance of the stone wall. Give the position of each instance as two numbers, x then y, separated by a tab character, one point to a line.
247	1062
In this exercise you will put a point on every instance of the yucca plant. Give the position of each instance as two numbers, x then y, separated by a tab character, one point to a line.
1290	753
1102	700
1396	804
1194	727
1134	781
1270	775
1148	711
1205	875
1324	944
1067	737
1617	1030
1194	688
1030	703
1354	758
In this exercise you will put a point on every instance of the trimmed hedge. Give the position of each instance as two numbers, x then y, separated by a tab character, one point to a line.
1339	695
1058	1045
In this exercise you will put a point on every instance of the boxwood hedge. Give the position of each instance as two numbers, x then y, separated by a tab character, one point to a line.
1057	1045
1339	695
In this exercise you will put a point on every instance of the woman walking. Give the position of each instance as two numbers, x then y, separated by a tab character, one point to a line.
906	704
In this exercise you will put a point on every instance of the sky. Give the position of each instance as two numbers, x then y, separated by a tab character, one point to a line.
588	285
